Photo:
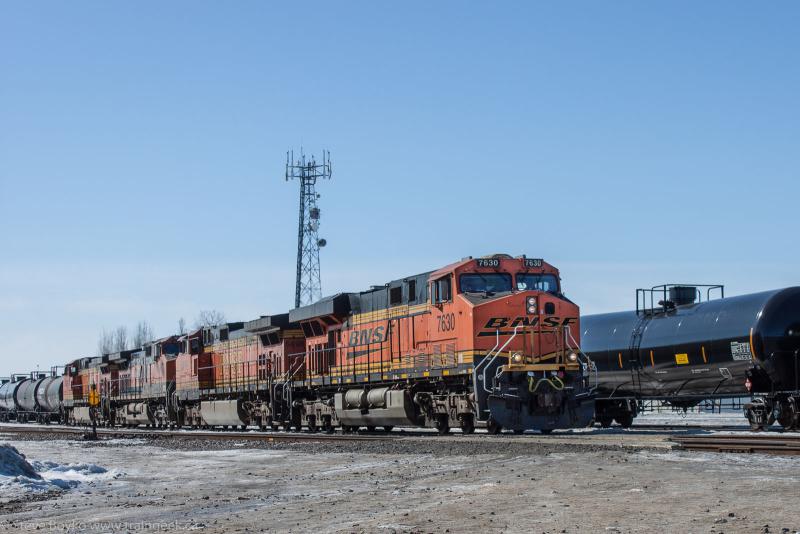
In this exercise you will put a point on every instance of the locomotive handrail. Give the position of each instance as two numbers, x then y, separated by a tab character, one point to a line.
486	358
494	357
289	375
589	362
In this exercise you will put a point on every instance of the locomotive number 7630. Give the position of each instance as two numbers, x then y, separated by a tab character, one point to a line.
447	322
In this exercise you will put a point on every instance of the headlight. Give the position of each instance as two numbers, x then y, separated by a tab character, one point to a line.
516	358
531	305
572	356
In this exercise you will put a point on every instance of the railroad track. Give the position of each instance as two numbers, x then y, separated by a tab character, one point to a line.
220	435
764	444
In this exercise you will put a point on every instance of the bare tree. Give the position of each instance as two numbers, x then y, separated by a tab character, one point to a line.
209	318
142	334
181	326
105	344
120	338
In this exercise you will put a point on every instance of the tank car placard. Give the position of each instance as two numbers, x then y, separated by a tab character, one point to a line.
740	351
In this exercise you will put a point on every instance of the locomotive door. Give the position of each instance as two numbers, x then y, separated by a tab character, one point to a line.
395	349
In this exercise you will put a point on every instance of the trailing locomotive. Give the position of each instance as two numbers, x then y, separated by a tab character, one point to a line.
683	350
489	341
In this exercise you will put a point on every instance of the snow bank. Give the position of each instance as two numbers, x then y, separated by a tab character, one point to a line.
18	476
13	463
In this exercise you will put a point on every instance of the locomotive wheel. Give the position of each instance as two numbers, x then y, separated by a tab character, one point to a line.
605	421
442	425
467	424
493	427
625	419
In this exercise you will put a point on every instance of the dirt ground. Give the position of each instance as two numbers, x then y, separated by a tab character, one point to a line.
608	482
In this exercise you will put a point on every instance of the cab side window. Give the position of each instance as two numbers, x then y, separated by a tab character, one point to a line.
441	290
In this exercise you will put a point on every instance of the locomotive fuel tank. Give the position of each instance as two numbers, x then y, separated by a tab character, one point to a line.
224	413
688	349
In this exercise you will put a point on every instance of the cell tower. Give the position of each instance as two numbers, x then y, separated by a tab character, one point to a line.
308	287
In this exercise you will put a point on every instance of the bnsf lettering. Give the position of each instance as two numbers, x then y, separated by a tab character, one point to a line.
496	323
364	337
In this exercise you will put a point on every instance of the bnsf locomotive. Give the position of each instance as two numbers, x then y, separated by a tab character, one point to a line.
677	349
489	341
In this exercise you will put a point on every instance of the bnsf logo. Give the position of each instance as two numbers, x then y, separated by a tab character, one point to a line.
370	335
496	323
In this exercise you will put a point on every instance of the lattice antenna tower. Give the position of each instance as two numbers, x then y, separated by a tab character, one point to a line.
308	287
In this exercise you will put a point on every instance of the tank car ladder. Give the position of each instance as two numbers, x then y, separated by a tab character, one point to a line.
634	356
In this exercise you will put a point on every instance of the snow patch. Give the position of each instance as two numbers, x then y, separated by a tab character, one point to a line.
18	476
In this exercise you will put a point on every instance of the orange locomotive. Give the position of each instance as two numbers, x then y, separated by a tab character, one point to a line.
489	340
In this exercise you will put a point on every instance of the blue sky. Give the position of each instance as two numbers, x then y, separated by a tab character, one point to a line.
142	148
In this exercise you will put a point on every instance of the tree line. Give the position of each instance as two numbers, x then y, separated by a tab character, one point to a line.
119	338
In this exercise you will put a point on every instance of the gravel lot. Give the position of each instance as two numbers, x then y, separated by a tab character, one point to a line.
590	482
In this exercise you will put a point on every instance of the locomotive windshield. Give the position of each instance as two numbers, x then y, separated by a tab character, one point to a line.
538	282
485	283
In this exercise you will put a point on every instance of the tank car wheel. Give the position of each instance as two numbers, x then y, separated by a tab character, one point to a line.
625	419
518	431
442	425
787	415
546	431
493	427
757	427
755	424
467	424
605	421
387	428
370	429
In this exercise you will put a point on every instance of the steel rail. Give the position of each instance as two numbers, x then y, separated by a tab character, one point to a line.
222	434
771	444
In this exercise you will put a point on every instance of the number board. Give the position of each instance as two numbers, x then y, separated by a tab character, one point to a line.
533	262
487	262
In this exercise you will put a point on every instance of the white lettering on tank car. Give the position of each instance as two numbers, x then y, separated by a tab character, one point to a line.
740	351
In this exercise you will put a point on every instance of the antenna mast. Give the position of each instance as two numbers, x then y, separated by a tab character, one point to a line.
308	287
